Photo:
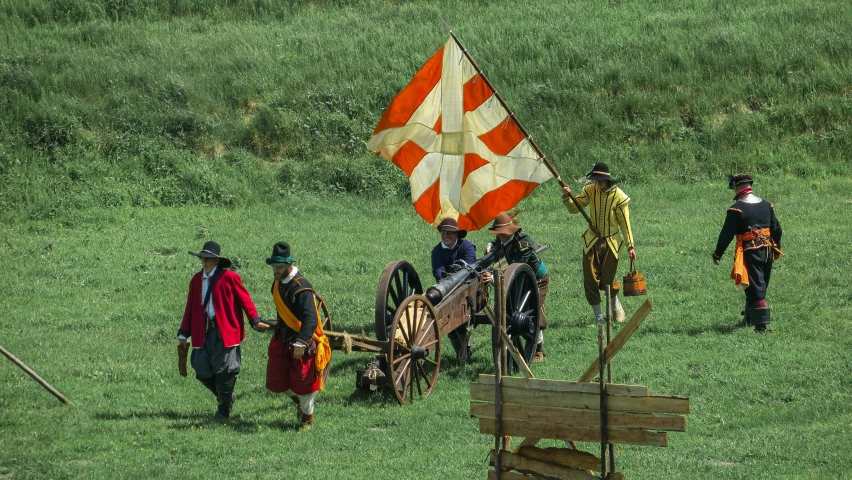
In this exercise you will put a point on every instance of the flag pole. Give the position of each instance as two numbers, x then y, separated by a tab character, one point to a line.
523	130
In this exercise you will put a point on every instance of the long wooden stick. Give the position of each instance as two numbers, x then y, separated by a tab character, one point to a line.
34	375
602	380
610	311
497	343
523	130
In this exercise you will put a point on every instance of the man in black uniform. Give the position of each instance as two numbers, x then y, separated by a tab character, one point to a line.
752	221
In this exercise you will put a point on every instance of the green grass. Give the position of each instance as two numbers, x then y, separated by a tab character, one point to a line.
131	132
92	302
228	102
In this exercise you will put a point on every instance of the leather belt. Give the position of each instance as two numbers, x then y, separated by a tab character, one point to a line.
211	322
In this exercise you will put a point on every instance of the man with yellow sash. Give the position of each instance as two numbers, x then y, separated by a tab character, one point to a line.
751	220
298	351
602	241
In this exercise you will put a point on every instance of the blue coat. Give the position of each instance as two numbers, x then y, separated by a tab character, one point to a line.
442	257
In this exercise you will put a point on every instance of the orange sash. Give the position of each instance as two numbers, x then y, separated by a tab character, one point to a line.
323	354
739	274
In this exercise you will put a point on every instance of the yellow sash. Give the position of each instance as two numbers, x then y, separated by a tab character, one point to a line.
323	354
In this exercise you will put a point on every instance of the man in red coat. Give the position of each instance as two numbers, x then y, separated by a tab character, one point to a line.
214	320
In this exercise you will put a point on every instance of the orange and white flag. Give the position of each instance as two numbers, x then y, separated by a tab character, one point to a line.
465	158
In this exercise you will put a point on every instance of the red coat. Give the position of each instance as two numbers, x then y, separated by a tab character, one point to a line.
230	300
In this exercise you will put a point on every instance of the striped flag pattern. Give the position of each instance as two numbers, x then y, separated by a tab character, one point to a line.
465	158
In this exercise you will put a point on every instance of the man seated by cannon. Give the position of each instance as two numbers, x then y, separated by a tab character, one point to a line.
518	247
447	256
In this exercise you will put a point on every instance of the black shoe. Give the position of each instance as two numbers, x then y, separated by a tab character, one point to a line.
220	415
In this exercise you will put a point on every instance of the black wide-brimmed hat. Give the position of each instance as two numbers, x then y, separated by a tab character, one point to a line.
503	224
212	250
740	178
600	171
450	225
280	255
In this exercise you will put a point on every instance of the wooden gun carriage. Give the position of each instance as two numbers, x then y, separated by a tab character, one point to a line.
410	322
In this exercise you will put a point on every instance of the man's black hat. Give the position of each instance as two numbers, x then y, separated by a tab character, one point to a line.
212	250
600	171
280	255
734	180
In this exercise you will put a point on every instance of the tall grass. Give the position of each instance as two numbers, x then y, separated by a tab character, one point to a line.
118	102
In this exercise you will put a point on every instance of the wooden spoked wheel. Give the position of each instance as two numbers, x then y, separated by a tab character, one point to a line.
325	320
399	281
414	356
522	311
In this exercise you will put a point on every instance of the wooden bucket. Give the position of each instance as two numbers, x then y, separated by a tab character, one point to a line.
633	284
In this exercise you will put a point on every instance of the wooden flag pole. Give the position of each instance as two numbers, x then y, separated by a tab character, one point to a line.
521	128
34	375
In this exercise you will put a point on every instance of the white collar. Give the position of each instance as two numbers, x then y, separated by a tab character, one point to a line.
450	248
293	273
206	276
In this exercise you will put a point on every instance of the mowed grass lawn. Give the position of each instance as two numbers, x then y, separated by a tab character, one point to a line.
92	302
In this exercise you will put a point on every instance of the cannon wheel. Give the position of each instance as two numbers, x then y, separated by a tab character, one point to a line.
522	311
325	319
399	281
414	355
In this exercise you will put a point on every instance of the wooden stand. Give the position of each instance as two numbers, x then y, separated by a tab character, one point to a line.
571	411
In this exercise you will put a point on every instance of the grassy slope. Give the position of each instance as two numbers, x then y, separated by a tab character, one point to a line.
124	103
94	304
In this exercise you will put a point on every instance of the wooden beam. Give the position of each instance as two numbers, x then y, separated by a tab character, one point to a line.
615	403
564	386
536	467
582	418
541	430
619	340
562	456
509	476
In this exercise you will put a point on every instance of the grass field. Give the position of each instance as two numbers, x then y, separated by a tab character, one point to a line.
94	301
131	132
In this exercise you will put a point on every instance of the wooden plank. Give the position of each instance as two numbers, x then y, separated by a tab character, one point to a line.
615	403
584	418
563	456
615	476
565	386
532	466
539	430
620	339
509	476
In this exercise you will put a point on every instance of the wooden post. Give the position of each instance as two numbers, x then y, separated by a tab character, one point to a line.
603	398
610	311
497	347
34	375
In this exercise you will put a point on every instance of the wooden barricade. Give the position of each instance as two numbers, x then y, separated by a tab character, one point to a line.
564	410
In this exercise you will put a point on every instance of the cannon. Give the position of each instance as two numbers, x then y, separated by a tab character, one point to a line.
410	322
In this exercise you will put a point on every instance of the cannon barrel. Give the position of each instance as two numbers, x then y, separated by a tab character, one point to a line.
438	291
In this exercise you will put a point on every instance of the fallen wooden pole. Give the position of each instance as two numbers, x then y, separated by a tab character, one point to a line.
34	375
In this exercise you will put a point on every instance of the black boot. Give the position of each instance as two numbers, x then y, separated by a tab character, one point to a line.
759	317
746	317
